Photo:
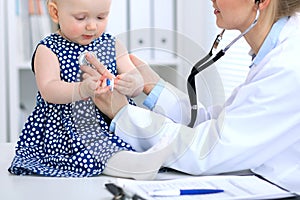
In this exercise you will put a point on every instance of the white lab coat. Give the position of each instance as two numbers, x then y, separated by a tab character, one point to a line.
258	128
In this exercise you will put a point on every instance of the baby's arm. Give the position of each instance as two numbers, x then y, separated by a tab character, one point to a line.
129	81
49	83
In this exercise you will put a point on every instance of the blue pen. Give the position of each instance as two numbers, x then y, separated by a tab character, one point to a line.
184	192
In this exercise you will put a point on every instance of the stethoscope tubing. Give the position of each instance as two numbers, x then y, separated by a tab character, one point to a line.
205	62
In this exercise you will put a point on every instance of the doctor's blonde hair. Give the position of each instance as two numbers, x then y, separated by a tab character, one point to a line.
286	8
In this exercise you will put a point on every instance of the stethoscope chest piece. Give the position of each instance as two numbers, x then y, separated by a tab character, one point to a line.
82	58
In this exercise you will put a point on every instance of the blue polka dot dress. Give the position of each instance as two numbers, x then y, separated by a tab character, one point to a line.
68	140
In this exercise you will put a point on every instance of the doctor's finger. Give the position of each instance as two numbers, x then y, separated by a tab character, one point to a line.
124	90
86	76
102	90
99	66
123	82
90	78
88	71
137	61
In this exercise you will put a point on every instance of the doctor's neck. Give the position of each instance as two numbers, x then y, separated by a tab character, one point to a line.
258	34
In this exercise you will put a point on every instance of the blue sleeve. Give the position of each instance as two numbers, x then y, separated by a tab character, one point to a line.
151	99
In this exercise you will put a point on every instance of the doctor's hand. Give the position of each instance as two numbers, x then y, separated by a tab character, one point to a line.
110	103
95	74
130	83
107	101
99	71
150	77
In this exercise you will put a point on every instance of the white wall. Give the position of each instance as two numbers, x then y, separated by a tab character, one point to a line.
196	23
13	75
3	108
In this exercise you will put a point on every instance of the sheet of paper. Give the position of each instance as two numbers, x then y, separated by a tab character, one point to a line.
235	187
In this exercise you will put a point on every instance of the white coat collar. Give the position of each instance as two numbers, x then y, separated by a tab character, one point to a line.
270	41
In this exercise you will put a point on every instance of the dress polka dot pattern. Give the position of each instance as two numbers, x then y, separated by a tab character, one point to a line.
68	140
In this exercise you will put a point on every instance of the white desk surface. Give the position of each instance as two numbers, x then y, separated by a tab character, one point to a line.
43	188
14	187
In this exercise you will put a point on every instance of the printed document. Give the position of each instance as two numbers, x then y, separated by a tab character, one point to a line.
235	187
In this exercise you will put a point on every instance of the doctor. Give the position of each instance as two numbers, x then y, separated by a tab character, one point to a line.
258	127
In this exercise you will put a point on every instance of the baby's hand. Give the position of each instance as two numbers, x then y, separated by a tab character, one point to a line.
130	84
88	87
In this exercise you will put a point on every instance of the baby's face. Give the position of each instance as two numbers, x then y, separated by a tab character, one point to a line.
81	21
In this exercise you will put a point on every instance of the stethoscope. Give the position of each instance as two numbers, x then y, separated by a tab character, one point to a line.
206	62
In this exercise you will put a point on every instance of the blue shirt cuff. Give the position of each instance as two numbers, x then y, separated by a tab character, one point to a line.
152	98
